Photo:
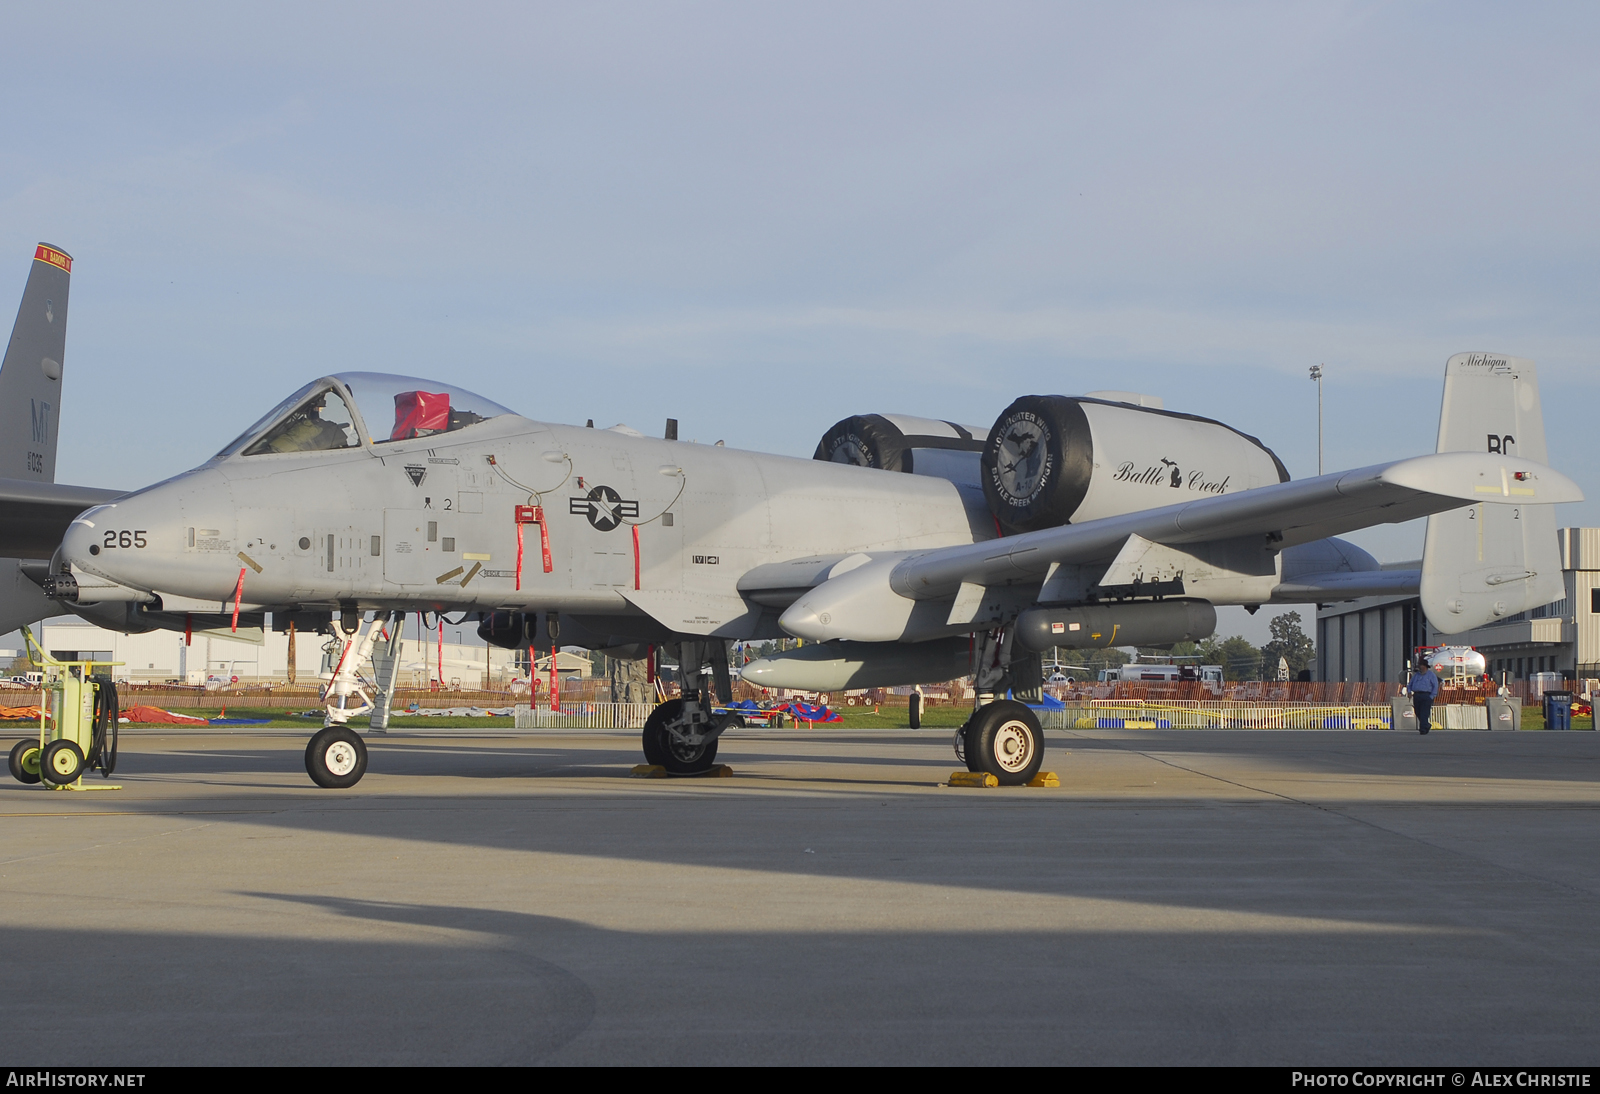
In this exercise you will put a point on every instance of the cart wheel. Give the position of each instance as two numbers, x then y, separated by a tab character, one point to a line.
61	763
25	762
336	758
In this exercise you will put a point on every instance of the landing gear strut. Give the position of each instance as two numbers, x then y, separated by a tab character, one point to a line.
681	734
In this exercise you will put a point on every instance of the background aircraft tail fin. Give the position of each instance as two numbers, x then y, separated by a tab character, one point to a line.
30	378
1494	559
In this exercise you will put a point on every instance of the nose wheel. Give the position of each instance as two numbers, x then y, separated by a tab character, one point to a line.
336	758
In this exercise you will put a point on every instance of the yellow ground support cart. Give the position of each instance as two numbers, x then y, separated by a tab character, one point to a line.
77	724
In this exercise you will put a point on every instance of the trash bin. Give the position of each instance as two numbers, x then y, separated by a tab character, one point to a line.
1558	710
1402	716
1504	713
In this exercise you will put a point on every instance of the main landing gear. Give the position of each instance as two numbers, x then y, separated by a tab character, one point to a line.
1003	737
681	734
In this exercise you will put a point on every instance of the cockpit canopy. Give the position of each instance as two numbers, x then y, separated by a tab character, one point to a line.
338	411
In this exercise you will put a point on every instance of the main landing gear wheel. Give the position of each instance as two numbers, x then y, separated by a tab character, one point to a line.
25	762
61	763
663	750
1004	739
336	758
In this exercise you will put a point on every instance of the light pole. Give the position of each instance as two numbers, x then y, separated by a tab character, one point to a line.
1316	374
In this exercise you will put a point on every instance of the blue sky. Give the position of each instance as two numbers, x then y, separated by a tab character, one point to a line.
761	218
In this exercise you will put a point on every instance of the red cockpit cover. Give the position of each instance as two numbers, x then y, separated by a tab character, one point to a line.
420	412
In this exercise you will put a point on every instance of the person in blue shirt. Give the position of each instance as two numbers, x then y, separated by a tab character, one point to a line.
1424	688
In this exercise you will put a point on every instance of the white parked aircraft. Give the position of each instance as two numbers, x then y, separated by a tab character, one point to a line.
1073	522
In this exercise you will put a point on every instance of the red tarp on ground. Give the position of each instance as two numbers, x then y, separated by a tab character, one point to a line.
157	716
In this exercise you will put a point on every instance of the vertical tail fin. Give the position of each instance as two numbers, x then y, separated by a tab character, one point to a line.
1490	560
30	378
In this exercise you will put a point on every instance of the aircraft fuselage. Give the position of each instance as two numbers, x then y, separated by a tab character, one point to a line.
430	523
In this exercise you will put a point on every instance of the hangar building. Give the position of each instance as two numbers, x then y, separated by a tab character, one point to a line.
1371	638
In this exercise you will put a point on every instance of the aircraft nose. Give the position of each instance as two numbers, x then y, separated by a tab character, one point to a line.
81	543
108	541
142	541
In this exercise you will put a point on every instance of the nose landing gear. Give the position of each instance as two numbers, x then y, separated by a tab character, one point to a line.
336	758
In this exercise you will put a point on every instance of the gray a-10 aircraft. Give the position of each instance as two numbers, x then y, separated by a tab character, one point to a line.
1074	522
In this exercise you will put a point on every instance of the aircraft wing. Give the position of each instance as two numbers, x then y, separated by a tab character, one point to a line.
34	515
1290	513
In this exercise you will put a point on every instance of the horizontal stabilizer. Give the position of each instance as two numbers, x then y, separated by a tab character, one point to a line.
21	600
1347	585
34	515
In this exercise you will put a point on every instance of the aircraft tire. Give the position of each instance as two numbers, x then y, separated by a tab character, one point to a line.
336	758
967	747
1004	738
61	762
654	753
25	767
660	749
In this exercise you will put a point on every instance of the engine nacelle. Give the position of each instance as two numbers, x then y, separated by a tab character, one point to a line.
901	442
832	666
1052	459
1134	623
